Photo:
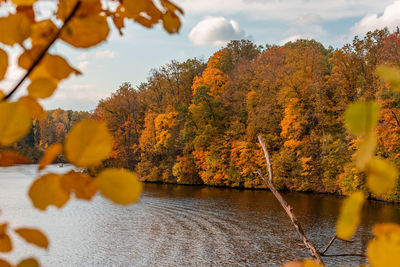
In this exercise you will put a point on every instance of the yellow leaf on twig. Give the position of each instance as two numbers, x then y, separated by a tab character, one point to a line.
349	216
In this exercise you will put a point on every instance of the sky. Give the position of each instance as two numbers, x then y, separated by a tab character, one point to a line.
206	27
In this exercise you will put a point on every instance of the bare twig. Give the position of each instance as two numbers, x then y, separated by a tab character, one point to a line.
313	251
43	53
329	245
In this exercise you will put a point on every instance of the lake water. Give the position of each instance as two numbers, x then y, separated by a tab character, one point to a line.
180	226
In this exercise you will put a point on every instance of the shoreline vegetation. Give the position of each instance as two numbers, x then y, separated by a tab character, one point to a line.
196	122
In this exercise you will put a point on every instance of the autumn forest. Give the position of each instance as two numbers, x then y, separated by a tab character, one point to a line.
197	121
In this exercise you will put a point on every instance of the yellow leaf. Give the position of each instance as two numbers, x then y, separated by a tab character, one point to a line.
4	263
366	150
361	117
14	29
58	67
119	185
2	95
297	263
171	6
384	250
3	63
42	32
171	22
15	122
88	143
9	158
5	241
47	190
30	262
23	2
349	216
83	186
134	8
86	31
390	75
33	236
26	59
86	8
311	263
35	109
50	155
42	88
382	176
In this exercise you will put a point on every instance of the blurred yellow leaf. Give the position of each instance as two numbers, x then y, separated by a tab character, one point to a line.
382	176
9	158
35	109
15	122
50	155
30	262
133	8
4	263
311	263
390	75
88	143
84	32
5	241
83	186
366	150
361	117
14	29
171	22
349	216
384	250
297	263
86	8
47	190
23	2
42	32
33	236
119	185
42	88
171	6
58	67
3	63
26	59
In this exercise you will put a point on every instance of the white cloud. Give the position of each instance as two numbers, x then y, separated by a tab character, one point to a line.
287	10
82	66
292	38
79	91
309	19
216	31
390	18
105	54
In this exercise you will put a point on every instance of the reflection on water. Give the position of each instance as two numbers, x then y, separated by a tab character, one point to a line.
180	226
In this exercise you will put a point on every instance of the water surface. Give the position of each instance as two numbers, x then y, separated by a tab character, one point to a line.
180	226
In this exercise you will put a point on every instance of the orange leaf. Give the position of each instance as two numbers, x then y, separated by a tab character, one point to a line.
83	186
9	158
4	263
30	262
5	241
3	63
34	108
47	190
33	236
49	156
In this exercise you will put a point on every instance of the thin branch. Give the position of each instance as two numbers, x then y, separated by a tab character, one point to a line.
329	245
313	251
345	255
44	51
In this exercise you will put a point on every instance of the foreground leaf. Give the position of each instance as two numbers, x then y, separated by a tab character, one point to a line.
42	87
47	190
390	75
88	143
14	28
382	176
81	185
384	250
4	263
15	122
5	241
119	185
50	155
30	262
86	31
3	63
361	117
366	151
34	108
349	216
33	236
9	158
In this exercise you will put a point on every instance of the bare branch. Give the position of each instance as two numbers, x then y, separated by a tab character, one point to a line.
313	251
43	53
329	245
